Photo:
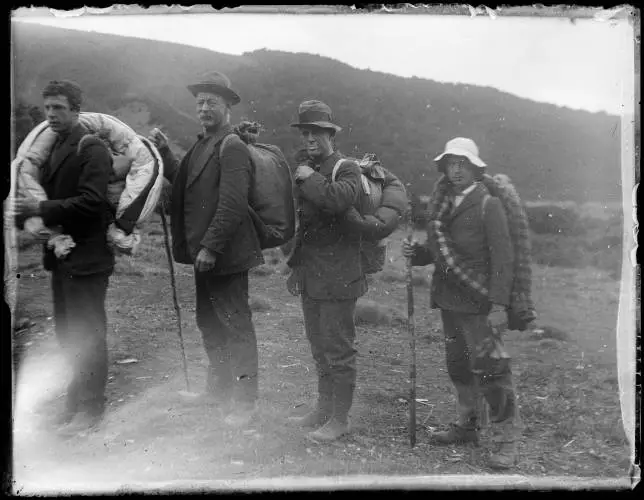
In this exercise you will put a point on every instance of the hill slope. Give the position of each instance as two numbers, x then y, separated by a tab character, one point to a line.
551	153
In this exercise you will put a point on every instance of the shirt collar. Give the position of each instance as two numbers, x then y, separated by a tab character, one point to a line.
466	191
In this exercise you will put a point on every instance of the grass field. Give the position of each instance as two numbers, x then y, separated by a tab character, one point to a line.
566	377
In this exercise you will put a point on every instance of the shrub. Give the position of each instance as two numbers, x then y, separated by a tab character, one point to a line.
552	219
372	313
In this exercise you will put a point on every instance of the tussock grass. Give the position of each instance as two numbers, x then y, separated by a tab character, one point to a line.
549	332
369	312
263	270
259	303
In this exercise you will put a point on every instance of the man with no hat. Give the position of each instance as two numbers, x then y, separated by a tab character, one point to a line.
213	230
326	269
75	178
476	226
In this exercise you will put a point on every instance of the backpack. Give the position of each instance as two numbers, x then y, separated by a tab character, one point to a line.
270	196
373	186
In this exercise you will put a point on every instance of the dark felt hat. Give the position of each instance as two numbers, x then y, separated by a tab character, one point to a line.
315	114
215	83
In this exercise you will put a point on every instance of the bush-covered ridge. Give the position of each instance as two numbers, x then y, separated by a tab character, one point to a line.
548	151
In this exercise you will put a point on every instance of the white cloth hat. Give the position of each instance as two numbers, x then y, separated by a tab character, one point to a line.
462	146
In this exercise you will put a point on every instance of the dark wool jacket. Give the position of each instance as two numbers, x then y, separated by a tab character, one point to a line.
76	186
327	257
210	204
483	241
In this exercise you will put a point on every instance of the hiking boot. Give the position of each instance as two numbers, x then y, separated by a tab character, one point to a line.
332	430
505	457
455	435
315	418
241	417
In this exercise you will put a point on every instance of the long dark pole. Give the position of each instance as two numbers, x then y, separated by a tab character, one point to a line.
177	310
411	326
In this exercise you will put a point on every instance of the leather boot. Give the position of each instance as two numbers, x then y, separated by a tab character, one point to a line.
455	435
338	424
505	457
323	411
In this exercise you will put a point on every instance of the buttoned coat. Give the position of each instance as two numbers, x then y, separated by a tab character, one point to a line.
479	234
210	204
76	186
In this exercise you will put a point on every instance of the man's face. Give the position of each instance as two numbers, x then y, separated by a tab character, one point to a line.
317	141
59	114
459	172
212	110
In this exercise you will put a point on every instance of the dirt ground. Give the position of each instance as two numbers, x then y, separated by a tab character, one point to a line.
155	439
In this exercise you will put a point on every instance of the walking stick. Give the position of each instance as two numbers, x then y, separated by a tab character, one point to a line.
412	342
168	252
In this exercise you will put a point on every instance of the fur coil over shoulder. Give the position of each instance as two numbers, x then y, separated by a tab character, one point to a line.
521	310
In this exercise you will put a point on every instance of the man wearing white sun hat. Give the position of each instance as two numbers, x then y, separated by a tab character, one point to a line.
469	242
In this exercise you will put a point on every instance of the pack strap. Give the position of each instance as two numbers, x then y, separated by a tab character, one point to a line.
363	179
486	197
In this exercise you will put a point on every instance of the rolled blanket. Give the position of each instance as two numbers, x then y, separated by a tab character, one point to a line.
134	187
521	310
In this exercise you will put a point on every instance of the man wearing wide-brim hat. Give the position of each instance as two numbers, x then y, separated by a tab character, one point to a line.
326	268
212	230
468	224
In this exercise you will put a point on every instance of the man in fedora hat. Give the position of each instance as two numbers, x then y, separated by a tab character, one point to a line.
212	229
326	269
475	224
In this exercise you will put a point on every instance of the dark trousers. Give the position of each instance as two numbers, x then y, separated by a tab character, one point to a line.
330	329
81	329
467	339
225	320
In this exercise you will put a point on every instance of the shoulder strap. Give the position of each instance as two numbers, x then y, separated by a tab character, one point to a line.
336	167
365	182
225	141
486	197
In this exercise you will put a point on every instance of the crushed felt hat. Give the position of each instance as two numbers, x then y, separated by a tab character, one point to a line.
461	146
215	83
315	114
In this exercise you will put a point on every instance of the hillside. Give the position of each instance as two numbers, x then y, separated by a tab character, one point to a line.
551	153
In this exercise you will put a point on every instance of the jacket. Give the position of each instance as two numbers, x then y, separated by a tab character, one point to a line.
209	207
76	187
327	258
483	241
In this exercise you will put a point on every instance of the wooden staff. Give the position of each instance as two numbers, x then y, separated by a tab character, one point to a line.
177	310
412	342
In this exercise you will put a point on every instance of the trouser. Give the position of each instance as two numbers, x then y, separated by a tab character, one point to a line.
81	330
225	320
466	336
330	329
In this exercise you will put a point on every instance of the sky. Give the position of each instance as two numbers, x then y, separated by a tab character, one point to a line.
586	65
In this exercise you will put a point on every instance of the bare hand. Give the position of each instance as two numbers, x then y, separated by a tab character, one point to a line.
409	248
158	138
26	207
302	172
205	260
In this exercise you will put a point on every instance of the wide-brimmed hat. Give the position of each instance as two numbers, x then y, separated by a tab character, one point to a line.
461	146
215	83
315	114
